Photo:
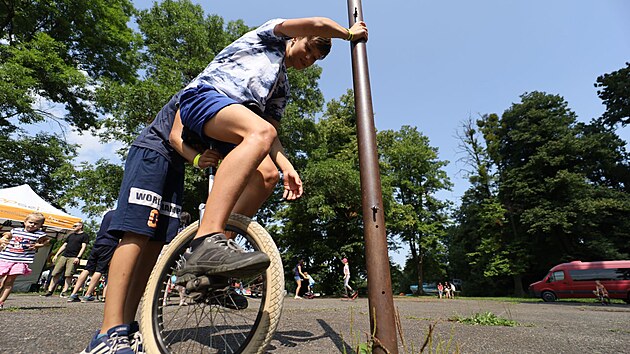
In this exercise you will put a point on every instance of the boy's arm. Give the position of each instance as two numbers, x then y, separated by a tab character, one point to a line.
320	27
290	178
207	158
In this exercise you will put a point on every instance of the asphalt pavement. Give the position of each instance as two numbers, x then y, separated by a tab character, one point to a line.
33	324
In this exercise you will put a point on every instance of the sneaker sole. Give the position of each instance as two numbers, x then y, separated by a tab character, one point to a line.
232	270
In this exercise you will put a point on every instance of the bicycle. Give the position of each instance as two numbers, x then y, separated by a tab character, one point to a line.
215	320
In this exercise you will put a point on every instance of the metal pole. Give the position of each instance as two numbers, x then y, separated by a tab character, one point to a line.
381	301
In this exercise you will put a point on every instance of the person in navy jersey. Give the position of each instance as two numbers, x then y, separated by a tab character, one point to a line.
98	261
251	71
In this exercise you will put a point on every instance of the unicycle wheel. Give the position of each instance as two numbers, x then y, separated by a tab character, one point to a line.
222	318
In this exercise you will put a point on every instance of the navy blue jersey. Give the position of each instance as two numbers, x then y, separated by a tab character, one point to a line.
156	135
102	236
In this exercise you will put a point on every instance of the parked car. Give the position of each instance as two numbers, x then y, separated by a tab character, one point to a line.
427	288
577	280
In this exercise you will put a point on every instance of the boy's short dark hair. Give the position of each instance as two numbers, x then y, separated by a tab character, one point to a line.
322	44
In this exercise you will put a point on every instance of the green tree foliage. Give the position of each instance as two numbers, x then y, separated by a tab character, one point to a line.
614	90
39	161
56	51
96	185
562	193
52	56
475	244
325	224
415	215
178	41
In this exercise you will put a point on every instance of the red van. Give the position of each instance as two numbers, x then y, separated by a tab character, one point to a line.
577	280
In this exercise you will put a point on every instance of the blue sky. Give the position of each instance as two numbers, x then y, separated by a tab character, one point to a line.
435	63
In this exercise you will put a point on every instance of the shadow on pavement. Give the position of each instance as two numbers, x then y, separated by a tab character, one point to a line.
335	337
292	338
14	308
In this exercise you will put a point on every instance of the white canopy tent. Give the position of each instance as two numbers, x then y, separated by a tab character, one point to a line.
15	204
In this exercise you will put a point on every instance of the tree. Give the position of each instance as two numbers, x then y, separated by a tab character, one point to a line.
40	161
553	183
56	51
614	90
474	243
325	224
416	175
52	56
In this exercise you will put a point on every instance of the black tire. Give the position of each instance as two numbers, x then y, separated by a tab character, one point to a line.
204	326
548	296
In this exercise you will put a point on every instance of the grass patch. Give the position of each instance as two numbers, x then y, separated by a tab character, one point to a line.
433	344
617	330
486	319
418	318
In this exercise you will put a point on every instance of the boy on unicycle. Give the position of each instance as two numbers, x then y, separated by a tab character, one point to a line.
252	70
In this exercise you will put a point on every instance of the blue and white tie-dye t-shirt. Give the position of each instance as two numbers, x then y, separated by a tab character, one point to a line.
252	69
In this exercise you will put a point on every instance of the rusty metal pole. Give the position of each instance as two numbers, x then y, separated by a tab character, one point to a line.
381	301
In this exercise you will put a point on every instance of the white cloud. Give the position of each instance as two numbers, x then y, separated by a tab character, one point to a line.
91	148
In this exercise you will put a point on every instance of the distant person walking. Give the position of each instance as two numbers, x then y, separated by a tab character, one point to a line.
346	280
71	252
184	220
453	289
311	282
447	290
601	293
19	248
298	276
98	261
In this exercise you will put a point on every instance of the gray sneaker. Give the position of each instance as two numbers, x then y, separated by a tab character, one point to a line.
219	256
87	298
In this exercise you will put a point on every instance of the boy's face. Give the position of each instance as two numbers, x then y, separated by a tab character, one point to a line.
301	54
31	224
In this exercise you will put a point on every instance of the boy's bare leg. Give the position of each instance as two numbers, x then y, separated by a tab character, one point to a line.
258	189
254	136
121	269
140	276
80	281
96	278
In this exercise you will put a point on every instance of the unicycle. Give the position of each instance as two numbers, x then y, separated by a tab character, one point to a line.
217	320
209	323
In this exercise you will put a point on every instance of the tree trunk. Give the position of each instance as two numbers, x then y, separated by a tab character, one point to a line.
419	267
518	285
417	260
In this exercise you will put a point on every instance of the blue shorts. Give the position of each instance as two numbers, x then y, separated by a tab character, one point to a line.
199	104
297	278
150	197
99	258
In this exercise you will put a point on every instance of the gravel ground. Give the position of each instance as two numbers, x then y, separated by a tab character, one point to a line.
32	324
